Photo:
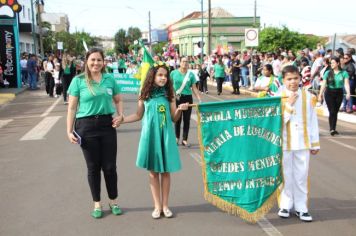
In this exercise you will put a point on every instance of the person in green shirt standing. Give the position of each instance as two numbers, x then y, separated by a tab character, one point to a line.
121	64
93	98
68	74
219	74
334	81
184	84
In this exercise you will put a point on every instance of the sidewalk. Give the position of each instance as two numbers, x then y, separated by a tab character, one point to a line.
321	111
8	94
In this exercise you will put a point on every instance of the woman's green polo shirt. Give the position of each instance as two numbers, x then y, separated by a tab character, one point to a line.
99	103
177	78
339	79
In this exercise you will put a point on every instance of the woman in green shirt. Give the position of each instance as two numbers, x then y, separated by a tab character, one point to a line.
219	74
184	86
334	81
91	125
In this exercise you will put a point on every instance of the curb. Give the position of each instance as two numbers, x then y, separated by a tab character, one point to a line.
9	94
321	111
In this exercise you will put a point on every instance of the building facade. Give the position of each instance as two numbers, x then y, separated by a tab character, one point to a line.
28	40
227	32
59	21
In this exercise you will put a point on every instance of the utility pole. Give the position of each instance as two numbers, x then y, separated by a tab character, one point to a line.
254	16
209	27
149	31
202	33
33	29
39	11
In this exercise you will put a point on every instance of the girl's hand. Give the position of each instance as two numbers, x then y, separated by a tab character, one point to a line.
72	138
116	121
183	106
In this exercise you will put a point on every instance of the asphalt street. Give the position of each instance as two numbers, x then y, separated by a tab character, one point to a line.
44	190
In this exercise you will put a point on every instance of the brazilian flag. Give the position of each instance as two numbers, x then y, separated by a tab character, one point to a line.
147	62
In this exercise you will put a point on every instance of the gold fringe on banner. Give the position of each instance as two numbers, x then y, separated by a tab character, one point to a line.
231	208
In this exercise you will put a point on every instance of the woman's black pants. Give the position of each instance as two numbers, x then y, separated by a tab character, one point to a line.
99	146
333	99
186	117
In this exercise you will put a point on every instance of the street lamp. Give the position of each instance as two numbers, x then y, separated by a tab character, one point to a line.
202	34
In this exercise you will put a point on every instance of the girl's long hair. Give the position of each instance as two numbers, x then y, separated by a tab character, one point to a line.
87	74
149	84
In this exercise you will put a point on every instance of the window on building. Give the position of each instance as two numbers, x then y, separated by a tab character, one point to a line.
22	47
32	48
28	13
23	11
28	47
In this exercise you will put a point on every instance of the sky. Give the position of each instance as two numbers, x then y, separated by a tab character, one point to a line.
106	17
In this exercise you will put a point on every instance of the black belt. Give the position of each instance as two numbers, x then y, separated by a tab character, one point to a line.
96	117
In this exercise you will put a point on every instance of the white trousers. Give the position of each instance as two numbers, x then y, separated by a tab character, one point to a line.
295	173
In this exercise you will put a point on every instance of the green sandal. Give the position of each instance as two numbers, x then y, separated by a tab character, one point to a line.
115	209
97	213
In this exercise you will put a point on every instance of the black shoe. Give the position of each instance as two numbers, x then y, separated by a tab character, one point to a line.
306	217
332	132
233	93
283	213
219	93
336	133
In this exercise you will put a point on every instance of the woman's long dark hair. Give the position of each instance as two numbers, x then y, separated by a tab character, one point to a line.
331	76
149	84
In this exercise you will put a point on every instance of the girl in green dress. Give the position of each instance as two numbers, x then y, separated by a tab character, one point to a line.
158	151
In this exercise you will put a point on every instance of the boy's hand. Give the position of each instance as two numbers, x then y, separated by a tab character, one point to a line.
292	98
314	152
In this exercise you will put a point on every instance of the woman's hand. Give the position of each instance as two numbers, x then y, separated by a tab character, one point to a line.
72	138
116	121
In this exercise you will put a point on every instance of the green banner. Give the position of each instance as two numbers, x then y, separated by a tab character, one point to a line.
241	148
127	84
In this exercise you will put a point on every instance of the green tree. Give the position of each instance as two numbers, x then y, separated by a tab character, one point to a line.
72	42
133	33
120	41
48	39
157	48
273	38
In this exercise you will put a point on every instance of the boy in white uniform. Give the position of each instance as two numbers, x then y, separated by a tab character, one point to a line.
300	139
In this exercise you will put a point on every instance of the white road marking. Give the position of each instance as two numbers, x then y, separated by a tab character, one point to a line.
51	108
4	122
40	130
196	157
342	144
268	227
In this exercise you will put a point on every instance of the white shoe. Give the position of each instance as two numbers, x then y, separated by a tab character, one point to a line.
156	213
167	213
306	217
283	213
